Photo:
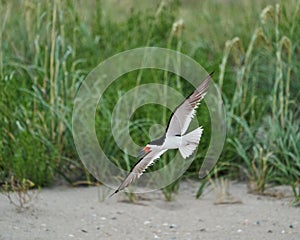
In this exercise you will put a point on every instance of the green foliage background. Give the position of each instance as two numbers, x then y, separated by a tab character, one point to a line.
48	47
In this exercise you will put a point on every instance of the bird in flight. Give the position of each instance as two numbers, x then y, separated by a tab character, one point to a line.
175	136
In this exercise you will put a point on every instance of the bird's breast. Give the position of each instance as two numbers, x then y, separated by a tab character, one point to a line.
172	142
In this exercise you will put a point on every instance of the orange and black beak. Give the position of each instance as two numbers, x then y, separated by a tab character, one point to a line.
144	152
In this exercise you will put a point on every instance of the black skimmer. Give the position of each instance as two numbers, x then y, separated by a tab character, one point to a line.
175	136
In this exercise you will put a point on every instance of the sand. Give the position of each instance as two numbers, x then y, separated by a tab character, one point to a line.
78	213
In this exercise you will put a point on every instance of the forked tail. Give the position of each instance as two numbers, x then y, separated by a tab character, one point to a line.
190	142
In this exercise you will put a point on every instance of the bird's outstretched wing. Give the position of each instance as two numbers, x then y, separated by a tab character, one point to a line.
138	169
184	113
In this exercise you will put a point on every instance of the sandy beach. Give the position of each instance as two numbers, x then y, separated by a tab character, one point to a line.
79	213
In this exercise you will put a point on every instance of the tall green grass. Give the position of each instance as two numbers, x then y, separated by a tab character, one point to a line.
263	113
48	48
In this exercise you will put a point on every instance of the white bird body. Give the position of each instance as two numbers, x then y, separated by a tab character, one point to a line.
175	136
171	142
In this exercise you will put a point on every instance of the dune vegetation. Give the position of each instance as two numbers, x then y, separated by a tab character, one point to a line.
47	48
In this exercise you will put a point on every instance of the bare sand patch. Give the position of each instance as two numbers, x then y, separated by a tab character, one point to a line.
77	213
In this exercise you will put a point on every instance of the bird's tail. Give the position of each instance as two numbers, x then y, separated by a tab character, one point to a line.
190	142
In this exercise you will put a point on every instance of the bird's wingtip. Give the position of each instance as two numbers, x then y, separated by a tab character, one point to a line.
209	77
113	193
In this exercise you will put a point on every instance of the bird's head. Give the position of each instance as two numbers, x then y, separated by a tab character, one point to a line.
144	151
